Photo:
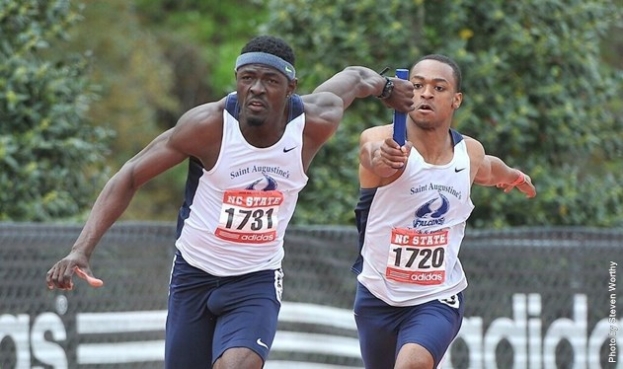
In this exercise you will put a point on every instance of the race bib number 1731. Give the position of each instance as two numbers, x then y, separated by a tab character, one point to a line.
249	216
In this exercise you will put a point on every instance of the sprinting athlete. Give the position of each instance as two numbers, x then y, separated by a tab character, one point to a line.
414	203
248	155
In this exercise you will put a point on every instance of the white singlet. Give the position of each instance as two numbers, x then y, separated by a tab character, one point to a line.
411	231
235	215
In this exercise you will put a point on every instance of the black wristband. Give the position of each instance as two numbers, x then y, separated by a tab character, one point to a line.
387	89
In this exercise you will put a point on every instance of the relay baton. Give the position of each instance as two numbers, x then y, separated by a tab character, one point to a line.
400	119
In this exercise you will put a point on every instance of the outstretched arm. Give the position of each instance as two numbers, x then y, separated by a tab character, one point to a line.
109	206
360	82
165	151
494	172
489	170
324	108
156	158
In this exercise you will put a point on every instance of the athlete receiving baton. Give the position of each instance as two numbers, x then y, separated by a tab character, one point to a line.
414	203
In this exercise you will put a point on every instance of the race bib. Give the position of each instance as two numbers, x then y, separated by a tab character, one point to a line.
249	216
417	258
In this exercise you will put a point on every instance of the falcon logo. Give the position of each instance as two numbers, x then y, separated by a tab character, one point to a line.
432	212
263	184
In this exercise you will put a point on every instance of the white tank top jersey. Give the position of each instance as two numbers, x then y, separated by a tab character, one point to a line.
234	216
411	230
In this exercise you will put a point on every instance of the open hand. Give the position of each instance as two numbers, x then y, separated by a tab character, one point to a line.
523	184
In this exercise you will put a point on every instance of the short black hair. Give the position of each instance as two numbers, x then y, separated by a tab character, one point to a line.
456	70
271	45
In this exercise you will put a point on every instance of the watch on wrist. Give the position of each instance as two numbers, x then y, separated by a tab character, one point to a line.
387	89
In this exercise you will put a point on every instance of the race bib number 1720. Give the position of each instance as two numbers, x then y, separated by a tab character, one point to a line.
417	258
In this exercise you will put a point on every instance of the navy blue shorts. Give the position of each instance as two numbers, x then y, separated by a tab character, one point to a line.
384	329
208	315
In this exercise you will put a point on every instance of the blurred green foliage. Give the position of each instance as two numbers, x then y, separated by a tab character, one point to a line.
134	81
50	160
153	60
542	85
536	95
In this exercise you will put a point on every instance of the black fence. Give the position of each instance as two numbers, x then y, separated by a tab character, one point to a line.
538	298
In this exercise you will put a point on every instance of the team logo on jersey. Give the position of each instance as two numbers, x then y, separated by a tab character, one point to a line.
432	212
266	183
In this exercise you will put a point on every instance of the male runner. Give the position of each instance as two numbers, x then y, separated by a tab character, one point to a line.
248	155
414	203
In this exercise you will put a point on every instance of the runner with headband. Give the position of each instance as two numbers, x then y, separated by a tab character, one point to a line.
248	155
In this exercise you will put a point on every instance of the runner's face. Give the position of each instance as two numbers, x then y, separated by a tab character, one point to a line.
262	92
435	96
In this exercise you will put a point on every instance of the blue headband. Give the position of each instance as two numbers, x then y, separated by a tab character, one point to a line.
258	57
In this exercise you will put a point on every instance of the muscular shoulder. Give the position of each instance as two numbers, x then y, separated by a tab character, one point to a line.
476	153
210	113
199	128
474	148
